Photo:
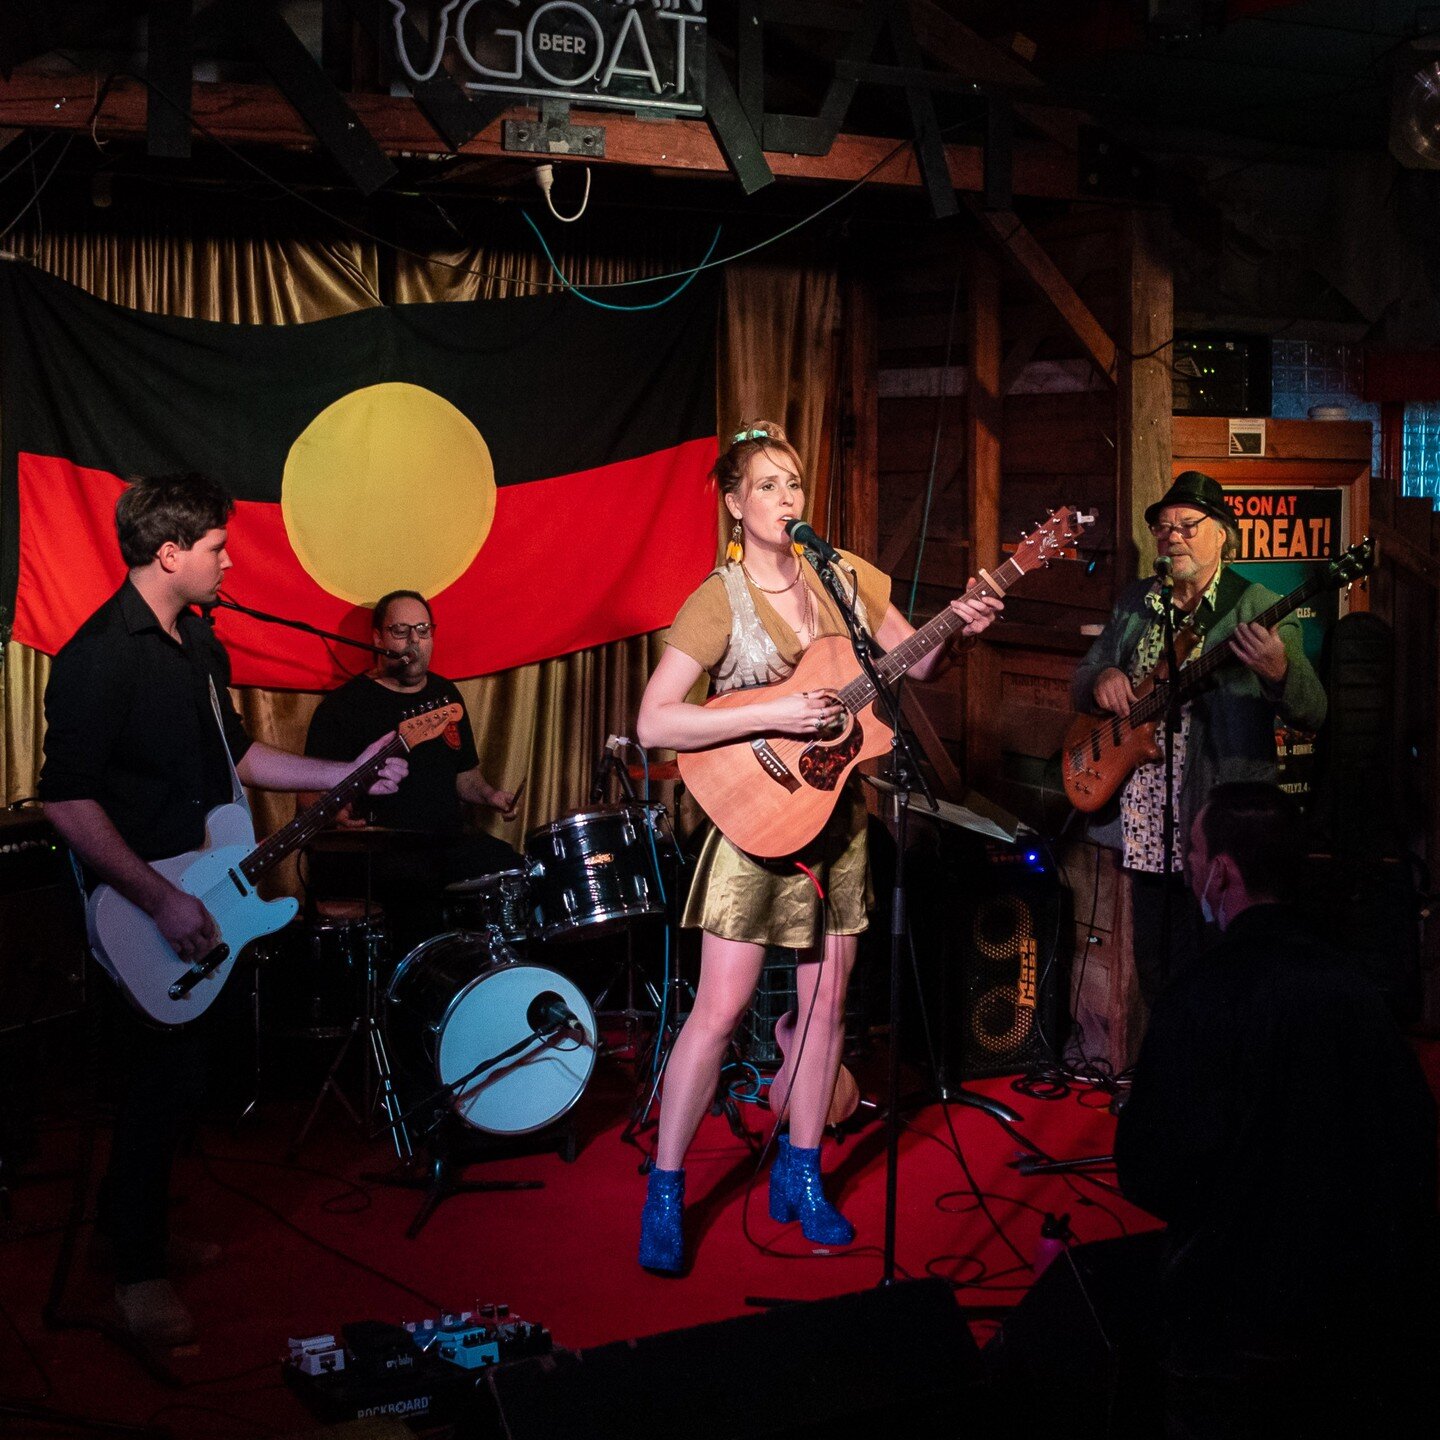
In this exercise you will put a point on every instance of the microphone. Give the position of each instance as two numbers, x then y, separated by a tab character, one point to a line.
608	756
548	1011
1163	566
402	657
802	534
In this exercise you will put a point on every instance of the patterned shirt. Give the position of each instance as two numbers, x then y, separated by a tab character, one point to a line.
1142	802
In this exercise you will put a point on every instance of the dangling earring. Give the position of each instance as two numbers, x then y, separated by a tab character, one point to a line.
735	551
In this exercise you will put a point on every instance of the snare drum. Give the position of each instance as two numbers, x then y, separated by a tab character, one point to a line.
450	1007
596	869
500	902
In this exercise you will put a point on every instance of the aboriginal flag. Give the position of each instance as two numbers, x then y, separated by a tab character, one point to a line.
536	466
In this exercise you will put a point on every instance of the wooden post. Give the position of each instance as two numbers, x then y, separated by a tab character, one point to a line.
1143	405
983	408
983	422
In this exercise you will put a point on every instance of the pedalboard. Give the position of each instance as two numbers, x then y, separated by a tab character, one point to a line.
429	1371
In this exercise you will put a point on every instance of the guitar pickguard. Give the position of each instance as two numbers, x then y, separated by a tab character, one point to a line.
822	767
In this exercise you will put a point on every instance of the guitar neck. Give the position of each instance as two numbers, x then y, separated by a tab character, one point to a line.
314	818
929	637
1193	675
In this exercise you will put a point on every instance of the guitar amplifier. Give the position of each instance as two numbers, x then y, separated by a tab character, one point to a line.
42	924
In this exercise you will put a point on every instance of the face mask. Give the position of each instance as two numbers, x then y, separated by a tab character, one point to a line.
1211	918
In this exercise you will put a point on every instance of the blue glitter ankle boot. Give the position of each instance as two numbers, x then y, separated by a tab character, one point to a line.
820	1221
782	1208
662	1242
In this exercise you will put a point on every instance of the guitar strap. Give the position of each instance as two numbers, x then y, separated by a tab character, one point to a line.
1227	596
237	790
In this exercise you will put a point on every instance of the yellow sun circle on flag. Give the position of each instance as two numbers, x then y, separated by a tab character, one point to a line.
389	488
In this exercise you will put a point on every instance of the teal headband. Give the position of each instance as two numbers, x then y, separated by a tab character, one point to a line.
751	435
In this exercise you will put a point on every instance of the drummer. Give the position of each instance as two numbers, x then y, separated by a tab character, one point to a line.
423	845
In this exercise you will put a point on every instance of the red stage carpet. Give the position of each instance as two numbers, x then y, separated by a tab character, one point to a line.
310	1246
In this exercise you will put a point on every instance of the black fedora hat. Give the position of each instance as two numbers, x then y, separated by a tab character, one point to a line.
1200	492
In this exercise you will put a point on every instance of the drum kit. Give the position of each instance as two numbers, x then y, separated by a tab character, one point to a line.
477	1024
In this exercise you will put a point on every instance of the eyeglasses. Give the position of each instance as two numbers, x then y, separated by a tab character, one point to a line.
1186	529
423	631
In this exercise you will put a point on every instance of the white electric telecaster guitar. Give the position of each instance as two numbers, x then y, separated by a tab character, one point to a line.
223	877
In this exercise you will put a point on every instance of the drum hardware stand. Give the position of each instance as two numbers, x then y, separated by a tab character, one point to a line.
440	1180
724	1103
630	1013
378	1084
609	765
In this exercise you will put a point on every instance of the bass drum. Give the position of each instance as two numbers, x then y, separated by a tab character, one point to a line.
451	1007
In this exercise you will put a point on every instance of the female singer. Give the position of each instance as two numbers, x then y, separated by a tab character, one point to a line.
748	624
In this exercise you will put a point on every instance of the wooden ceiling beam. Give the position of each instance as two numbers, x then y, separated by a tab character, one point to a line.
1008	231
257	115
960	49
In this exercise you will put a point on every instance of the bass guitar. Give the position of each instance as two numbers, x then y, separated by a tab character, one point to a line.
770	795
223	876
1100	753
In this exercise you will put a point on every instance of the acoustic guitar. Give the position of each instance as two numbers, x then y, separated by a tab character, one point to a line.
844	1098
771	795
224	875
1100	753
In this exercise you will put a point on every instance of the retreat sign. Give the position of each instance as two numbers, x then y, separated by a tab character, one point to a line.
1287	534
627	54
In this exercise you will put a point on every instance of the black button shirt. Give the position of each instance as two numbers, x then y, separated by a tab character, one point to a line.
130	725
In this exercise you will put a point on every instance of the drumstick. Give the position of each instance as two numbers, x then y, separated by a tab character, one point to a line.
520	790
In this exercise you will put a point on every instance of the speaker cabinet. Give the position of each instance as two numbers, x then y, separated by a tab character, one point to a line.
1078	1354
42	925
901	1357
991	925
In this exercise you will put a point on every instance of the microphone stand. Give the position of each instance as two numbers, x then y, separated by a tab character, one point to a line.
439	1182
906	775
222	602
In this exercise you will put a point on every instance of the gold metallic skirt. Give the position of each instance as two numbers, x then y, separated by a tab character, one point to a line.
770	902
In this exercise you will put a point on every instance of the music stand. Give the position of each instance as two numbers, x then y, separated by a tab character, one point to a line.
977	814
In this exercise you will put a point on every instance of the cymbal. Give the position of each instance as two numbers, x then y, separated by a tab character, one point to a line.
376	837
659	770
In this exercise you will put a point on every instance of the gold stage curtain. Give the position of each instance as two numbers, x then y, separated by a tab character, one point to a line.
543	723
778	350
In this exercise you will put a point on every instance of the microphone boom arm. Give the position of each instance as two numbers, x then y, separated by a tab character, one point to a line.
223	603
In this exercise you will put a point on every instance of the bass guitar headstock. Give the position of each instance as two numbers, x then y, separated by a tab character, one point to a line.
1357	562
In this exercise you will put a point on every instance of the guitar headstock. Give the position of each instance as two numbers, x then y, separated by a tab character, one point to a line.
1357	561
1052	539
429	722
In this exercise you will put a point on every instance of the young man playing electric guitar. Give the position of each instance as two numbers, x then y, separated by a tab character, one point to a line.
141	738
